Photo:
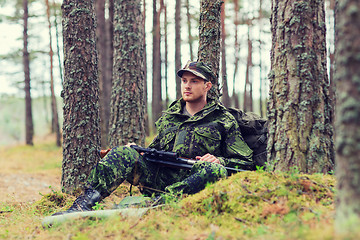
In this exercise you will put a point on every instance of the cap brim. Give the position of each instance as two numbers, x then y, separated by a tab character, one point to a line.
181	72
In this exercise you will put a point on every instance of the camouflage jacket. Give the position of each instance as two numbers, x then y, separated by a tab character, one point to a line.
212	130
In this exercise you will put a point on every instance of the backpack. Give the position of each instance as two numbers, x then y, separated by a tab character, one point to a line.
254	130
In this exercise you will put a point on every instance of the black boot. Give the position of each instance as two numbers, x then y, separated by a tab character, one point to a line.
84	202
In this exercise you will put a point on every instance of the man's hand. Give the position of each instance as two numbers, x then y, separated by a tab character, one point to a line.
208	158
104	152
129	144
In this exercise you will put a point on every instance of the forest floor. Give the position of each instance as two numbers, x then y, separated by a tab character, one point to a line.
249	205
25	176
25	187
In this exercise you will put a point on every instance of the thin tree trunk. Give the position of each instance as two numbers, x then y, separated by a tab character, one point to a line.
209	40
237	52
164	8
260	59
103	77
225	90
156	88
177	45
55	120
57	43
108	77
248	104
191	38
347	77
29	127
147	125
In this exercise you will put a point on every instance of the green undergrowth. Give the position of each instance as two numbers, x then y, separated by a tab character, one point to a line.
247	205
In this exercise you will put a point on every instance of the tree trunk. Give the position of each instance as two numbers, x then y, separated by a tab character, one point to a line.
235	98
56	7
101	34
127	97
107	84
260	60
191	38
225	91
300	131
156	87
81	130
347	77
209	40
177	46
29	127
147	125
248	99
55	117
164	8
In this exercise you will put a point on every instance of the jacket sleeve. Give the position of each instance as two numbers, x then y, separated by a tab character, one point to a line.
237	153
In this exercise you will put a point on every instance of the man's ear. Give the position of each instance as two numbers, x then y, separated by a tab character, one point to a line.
208	85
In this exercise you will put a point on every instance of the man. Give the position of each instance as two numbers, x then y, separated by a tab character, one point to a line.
194	126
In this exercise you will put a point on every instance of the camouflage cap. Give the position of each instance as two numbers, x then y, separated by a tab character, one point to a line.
199	69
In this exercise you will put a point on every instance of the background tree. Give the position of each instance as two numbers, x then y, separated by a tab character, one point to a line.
156	67
347	77
81	129
225	91
209	39
29	127
300	131
177	45
191	38
248	89
102	29
127	98
235	97
54	111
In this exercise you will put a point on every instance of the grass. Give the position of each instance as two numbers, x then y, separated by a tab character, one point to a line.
248	205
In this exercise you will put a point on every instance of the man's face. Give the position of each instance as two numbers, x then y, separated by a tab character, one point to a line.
194	88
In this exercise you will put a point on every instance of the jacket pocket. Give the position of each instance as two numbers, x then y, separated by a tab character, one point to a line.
167	139
206	139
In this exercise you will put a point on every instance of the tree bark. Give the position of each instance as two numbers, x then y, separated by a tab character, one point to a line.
81	130
347	78
29	127
127	97
209	40
300	119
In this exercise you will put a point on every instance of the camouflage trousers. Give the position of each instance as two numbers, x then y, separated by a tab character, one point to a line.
124	163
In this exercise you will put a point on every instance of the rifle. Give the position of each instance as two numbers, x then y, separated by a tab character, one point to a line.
171	159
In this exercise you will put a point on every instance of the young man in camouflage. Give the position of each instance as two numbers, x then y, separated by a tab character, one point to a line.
195	127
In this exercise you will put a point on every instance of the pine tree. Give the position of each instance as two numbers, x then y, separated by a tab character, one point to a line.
127	98
300	119
81	128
